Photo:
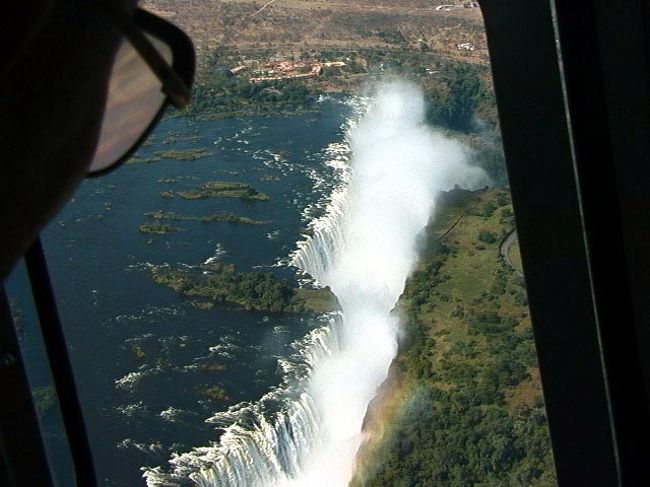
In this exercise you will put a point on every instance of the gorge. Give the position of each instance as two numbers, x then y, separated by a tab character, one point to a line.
308	430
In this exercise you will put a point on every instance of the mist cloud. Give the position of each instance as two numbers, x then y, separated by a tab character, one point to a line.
364	248
399	165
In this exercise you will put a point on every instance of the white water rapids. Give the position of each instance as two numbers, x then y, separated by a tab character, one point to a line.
307	432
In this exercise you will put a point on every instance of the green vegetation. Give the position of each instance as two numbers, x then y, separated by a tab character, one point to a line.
138	352
212	367
218	96
459	94
463	404
515	257
220	189
184	154
158	228
251	290
44	399
487	236
174	137
223	216
215	393
457	91
177	179
488	154
181	155
317	301
204	305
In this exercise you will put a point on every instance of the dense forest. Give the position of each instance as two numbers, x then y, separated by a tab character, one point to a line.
222	96
463	404
458	93
460	97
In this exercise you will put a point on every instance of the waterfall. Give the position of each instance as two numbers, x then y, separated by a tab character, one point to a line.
263	442
316	255
307	431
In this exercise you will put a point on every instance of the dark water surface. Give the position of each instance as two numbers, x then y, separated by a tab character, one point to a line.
143	355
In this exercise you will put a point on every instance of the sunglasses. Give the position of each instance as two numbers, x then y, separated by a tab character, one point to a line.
153	68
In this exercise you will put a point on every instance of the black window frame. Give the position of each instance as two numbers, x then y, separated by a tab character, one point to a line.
573	93
573	90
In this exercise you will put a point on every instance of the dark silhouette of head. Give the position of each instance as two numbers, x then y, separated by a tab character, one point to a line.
55	62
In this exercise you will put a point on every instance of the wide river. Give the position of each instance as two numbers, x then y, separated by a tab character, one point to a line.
143	355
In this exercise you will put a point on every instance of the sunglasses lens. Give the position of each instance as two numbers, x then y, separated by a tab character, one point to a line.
135	98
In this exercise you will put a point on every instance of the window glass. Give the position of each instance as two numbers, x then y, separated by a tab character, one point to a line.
36	362
311	276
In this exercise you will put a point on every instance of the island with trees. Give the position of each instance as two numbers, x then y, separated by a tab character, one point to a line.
220	189
258	291
223	216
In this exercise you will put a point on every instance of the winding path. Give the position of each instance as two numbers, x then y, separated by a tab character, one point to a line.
505	250
267	4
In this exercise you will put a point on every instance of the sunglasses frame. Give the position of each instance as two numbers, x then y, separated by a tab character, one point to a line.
175	80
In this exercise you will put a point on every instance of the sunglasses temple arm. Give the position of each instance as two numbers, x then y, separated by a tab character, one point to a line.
173	86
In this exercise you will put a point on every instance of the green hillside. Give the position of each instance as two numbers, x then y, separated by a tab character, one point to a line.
463	403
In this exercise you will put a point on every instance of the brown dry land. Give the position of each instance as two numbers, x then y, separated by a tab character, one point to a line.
292	27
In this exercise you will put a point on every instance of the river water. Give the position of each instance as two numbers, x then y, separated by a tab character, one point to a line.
144	355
